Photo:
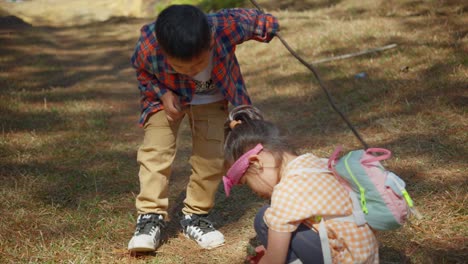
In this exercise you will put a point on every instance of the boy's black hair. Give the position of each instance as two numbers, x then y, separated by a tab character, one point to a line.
183	31
252	130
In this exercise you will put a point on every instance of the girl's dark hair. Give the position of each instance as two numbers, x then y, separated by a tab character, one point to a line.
183	31
252	130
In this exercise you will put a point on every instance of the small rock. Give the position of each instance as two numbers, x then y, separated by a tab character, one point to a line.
360	75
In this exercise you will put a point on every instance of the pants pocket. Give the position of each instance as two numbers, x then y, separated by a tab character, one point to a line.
215	129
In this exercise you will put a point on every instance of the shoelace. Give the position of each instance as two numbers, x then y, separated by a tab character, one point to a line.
201	222
145	225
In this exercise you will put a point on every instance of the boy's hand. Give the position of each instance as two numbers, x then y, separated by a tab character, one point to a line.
259	253
172	106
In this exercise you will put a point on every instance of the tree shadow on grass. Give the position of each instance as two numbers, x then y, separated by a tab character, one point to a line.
301	5
390	255
39	58
82	169
66	182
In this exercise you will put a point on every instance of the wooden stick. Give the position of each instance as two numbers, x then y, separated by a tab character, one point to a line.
350	55
317	76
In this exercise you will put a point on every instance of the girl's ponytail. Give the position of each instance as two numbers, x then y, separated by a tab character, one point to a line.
245	113
245	128
242	114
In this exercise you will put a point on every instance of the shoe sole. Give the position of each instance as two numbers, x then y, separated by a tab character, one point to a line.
136	245
141	250
208	247
212	247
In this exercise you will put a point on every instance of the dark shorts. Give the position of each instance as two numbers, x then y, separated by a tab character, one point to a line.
305	242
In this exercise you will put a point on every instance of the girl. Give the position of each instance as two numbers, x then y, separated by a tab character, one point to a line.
305	197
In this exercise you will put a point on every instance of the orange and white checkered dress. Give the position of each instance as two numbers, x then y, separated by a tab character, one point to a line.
302	195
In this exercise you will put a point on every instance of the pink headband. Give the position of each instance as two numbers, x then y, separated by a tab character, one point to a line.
237	170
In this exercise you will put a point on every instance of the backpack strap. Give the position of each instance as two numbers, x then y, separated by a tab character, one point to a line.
386	154
331	166
326	251
358	214
357	217
323	234
333	158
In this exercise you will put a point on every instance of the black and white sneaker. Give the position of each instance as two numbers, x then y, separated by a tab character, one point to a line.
201	230
147	234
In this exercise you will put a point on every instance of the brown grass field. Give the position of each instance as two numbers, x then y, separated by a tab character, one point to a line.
69	134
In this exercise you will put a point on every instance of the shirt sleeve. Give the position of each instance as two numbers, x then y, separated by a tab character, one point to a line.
286	211
148	83
253	24
304	197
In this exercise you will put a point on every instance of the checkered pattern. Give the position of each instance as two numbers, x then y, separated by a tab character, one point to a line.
230	27
300	198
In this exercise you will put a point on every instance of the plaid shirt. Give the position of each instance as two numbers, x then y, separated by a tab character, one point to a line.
302	195
230	27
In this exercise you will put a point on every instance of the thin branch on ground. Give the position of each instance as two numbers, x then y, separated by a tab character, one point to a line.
314	71
360	53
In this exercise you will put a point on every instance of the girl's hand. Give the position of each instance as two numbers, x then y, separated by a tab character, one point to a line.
259	253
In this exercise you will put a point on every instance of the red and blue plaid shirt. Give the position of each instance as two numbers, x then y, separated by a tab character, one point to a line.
230	27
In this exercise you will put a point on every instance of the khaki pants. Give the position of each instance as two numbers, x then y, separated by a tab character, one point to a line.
157	154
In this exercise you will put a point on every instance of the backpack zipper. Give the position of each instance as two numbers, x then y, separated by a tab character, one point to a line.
408	199
362	191
406	195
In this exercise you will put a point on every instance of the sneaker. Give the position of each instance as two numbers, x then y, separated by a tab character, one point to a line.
201	230
147	234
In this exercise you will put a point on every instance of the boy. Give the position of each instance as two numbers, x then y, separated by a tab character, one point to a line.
185	65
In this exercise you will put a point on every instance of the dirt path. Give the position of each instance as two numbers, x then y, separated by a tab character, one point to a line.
69	13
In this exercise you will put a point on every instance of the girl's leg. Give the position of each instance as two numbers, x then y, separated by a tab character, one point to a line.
305	243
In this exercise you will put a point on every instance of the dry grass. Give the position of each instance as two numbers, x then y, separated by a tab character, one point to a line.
68	132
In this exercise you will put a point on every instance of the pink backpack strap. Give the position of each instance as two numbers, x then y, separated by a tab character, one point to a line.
333	158
331	166
386	154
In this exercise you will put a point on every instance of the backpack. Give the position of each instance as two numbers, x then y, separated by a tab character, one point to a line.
379	196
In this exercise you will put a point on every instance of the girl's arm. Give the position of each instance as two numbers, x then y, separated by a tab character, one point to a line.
278	246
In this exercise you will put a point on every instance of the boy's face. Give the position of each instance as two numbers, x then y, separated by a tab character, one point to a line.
190	67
